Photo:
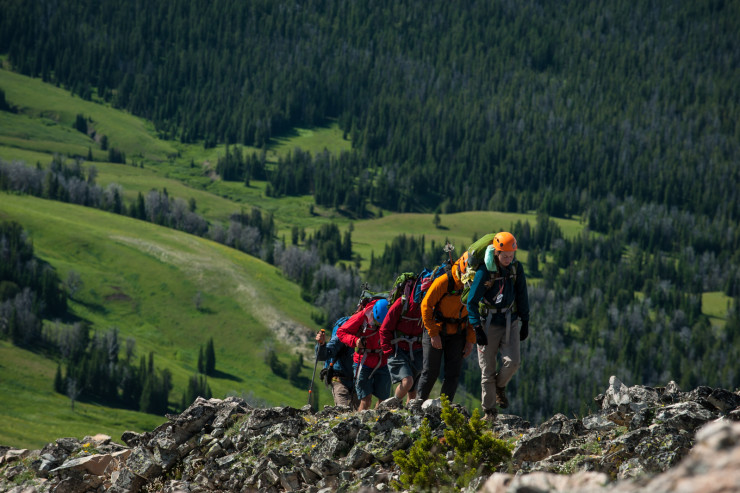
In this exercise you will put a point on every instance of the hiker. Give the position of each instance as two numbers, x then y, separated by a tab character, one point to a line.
361	331
338	372
498	310
400	339
448	334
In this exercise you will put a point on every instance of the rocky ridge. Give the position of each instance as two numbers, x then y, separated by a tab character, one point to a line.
642	439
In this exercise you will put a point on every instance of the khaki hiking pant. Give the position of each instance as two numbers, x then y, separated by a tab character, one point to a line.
510	361
343	395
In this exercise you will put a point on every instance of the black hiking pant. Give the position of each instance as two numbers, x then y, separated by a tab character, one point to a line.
452	353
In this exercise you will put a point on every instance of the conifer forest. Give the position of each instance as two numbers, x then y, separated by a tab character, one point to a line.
623	114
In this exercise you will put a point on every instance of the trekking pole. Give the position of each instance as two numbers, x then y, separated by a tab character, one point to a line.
364	287
449	248
315	364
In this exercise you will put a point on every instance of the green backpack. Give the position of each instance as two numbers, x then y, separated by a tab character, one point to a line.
403	287
469	262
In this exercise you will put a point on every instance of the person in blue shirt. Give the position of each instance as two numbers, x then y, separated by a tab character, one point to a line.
498	311
338	371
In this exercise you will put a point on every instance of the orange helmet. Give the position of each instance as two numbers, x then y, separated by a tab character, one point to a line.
504	242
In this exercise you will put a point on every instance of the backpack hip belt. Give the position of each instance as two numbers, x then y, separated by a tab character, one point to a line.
364	354
408	340
449	320
489	312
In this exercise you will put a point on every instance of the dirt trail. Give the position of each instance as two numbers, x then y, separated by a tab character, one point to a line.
217	273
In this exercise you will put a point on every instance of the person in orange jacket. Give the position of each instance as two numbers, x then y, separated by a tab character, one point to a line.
362	332
448	334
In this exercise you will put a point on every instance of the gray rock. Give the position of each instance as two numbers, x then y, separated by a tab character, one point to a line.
387	421
616	395
549	438
93	464
331	447
432	406
228	411
142	463
358	458
347	429
712	466
261	419
723	400
598	422
633	399
540	482
327	467
662	450
684	416
391	403
290	481
126	481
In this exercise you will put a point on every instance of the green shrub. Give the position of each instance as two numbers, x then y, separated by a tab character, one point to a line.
476	451
424	465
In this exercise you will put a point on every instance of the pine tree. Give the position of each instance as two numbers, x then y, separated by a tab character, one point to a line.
59	381
210	358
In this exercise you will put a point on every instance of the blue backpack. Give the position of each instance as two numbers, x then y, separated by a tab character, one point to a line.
426	277
330	361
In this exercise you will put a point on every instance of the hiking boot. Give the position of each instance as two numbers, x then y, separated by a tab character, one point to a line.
490	416
501	399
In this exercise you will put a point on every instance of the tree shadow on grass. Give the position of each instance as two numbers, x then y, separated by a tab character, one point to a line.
305	382
226	376
93	307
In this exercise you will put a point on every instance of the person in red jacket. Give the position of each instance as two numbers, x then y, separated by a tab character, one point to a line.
362	332
400	339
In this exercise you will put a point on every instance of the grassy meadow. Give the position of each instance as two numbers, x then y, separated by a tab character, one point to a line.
33	415
460	229
142	279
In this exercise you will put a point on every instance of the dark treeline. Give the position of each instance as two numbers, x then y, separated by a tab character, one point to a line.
549	105
69	181
235	166
339	182
98	369
30	289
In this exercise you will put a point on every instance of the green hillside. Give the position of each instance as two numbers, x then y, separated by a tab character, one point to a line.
43	127
603	135
142	279
460	228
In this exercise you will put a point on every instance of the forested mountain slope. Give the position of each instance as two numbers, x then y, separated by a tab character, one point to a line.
620	114
550	105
